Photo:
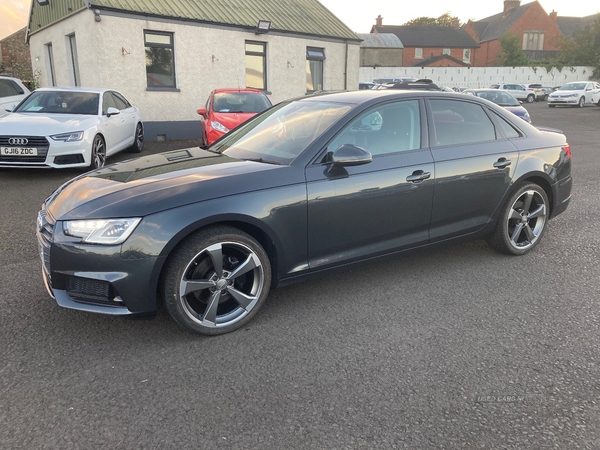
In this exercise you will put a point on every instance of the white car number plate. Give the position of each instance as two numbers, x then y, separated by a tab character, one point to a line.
18	151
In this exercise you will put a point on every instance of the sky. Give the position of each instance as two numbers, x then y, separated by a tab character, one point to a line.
359	15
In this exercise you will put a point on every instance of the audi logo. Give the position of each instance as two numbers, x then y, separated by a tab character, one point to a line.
17	141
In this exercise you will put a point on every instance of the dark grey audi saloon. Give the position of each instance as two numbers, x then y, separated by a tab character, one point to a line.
310	185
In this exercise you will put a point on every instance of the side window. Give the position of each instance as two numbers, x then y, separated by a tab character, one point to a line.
120	102
256	65
314	69
390	128
8	88
457	122
508	130
107	102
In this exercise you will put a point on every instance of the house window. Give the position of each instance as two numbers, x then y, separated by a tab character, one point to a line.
160	60
533	40
418	53
50	65
256	65
73	61
446	51
467	55
314	69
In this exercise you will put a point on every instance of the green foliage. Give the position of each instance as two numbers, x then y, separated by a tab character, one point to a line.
511	53
445	20
582	49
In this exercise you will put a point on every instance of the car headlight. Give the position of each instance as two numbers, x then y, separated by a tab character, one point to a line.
572	95
219	126
68	137
526	115
101	231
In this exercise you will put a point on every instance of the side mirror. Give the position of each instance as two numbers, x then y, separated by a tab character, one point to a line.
112	111
10	108
350	155
201	111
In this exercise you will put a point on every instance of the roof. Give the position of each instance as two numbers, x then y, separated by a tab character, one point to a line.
434	59
568	25
74	89
307	17
380	40
429	36
494	27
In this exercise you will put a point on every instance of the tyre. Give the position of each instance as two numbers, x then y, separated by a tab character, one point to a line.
530	98
98	153
138	143
581	102
522	222
216	280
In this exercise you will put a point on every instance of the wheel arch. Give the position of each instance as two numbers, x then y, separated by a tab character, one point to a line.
542	182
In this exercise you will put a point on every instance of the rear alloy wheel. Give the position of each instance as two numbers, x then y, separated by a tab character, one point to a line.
581	103
98	153
138	143
523	221
216	281
530	98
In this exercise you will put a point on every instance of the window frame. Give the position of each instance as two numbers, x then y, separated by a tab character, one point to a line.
50	63
170	46
467	55
418	52
73	59
263	55
320	57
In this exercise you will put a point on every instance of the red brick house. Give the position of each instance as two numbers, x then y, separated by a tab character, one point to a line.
436	46
535	28
15	59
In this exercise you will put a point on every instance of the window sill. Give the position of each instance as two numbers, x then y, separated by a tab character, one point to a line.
165	89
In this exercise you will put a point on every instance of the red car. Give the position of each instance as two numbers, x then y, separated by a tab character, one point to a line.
227	108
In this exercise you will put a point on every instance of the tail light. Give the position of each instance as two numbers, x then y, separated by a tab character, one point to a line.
567	149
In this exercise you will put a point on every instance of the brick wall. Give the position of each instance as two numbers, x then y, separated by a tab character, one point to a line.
16	58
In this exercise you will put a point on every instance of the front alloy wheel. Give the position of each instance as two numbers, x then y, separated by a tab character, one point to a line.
98	153
216	281
530	98
581	103
522	223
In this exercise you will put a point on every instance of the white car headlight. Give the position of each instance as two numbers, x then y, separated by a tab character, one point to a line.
101	231
68	137
219	126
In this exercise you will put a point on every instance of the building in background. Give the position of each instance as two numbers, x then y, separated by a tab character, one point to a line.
15	59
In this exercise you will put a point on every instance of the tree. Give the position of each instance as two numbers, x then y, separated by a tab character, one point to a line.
583	48
445	20
511	53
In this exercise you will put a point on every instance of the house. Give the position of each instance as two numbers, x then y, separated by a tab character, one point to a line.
536	30
166	56
15	60
380	50
422	44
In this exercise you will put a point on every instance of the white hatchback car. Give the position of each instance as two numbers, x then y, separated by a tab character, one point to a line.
576	93
12	91
69	127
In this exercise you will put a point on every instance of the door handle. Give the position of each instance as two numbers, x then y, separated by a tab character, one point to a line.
418	176
502	163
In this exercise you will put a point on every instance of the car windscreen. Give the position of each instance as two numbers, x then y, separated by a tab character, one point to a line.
282	133
572	87
240	102
61	102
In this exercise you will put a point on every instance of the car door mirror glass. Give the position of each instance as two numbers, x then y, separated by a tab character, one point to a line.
112	111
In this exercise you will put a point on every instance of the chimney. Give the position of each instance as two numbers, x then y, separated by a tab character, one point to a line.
511	4
378	21
456	23
554	16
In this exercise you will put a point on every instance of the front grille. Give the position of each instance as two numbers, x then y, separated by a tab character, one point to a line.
39	142
88	290
45	234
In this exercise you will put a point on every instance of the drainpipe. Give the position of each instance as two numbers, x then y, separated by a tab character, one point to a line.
346	68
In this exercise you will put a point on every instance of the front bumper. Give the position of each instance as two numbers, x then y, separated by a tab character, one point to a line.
563	101
50	154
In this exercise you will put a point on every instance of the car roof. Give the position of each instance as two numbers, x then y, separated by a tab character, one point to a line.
74	89
369	95
219	90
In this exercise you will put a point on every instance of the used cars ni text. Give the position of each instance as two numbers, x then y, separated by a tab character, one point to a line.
225	109
69	127
308	186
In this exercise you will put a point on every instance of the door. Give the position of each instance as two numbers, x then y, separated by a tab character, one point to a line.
113	126
361	211
474	167
128	118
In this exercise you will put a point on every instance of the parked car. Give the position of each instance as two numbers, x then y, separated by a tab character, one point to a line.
576	93
447	89
69	127
416	85
459	88
596	98
537	89
502	98
12	91
225	109
311	185
365	85
518	91
547	91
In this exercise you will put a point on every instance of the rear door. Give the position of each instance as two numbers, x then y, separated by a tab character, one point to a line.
474	166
